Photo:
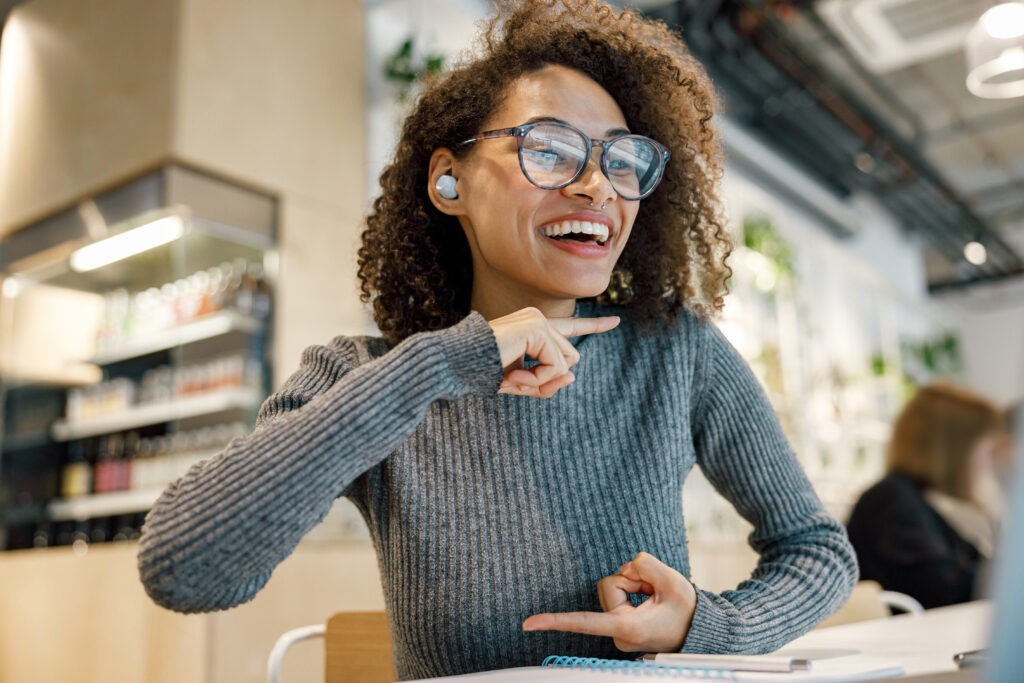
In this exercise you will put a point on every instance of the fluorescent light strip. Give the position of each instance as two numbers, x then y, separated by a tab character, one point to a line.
128	243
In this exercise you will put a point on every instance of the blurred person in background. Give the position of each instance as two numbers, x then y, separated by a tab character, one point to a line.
929	526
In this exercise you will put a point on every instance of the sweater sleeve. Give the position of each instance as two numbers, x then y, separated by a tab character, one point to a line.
807	568
213	538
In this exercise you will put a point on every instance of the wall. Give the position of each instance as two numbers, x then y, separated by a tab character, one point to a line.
444	27
42	351
85	99
990	321
274	96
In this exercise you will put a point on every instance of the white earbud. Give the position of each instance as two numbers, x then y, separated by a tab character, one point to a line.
446	187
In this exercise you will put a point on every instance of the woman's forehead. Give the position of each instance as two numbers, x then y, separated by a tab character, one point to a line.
562	93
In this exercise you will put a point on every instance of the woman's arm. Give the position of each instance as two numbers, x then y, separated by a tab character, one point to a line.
214	536
807	567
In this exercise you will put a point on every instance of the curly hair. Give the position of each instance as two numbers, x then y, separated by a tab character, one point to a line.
415	264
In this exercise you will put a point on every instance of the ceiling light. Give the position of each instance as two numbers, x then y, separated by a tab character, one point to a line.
864	162
128	243
976	253
995	53
11	287
1004	21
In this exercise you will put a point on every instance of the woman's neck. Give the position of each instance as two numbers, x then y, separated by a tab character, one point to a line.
491	307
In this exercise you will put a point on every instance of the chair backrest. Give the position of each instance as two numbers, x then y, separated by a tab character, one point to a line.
869	601
357	648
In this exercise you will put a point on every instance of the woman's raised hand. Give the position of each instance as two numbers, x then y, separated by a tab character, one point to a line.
659	624
528	332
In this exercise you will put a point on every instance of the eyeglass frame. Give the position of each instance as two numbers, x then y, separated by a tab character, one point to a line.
520	132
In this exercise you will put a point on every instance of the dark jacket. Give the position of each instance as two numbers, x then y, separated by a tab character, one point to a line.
905	545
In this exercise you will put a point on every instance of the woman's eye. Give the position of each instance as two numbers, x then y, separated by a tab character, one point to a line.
620	166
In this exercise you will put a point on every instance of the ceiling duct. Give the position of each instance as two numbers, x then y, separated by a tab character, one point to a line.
887	35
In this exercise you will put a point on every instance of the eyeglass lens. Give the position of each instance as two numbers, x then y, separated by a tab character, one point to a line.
553	154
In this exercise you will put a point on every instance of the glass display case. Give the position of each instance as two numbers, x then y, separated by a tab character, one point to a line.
129	351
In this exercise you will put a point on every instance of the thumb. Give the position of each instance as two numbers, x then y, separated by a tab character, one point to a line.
649	569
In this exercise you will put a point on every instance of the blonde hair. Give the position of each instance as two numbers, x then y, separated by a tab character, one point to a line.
934	436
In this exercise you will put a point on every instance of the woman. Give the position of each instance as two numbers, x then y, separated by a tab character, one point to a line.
522	249
923	529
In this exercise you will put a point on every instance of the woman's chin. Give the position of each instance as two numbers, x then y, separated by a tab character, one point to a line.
586	292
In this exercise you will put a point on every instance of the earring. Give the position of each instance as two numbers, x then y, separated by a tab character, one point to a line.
445	186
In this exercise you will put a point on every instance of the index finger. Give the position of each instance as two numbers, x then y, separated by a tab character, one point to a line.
589	623
574	327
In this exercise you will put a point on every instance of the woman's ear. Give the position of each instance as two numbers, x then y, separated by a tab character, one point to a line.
443	183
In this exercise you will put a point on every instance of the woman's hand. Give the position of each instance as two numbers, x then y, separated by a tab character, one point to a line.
659	624
528	332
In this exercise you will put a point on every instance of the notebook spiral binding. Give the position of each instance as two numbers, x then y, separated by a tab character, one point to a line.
636	668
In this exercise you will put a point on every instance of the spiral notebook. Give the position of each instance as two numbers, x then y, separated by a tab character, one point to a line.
826	670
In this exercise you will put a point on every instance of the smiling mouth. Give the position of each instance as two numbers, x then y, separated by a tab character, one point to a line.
579	231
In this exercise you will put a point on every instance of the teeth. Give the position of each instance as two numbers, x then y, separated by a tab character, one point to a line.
583	227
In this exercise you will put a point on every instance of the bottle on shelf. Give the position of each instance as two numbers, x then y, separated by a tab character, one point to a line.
237	285
148	460
76	479
103	477
121	468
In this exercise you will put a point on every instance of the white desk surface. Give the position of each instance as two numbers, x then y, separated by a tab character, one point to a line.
923	643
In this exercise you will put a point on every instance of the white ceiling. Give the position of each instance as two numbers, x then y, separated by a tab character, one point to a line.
976	145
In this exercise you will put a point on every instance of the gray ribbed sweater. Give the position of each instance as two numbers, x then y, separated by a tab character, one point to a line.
487	508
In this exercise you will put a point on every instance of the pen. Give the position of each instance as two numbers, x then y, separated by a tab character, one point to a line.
730	662
970	658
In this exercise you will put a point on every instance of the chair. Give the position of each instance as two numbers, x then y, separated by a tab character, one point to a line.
869	601
357	648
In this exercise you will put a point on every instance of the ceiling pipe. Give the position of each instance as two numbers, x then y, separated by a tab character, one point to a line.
721	34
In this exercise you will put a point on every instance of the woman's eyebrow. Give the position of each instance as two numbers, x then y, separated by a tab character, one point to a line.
611	132
553	119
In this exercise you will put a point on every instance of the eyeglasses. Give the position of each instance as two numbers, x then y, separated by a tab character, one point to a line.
553	155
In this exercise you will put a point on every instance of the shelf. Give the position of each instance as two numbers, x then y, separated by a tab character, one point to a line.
179	409
207	327
102	505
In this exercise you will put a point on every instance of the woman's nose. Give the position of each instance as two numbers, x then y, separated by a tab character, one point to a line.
593	184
